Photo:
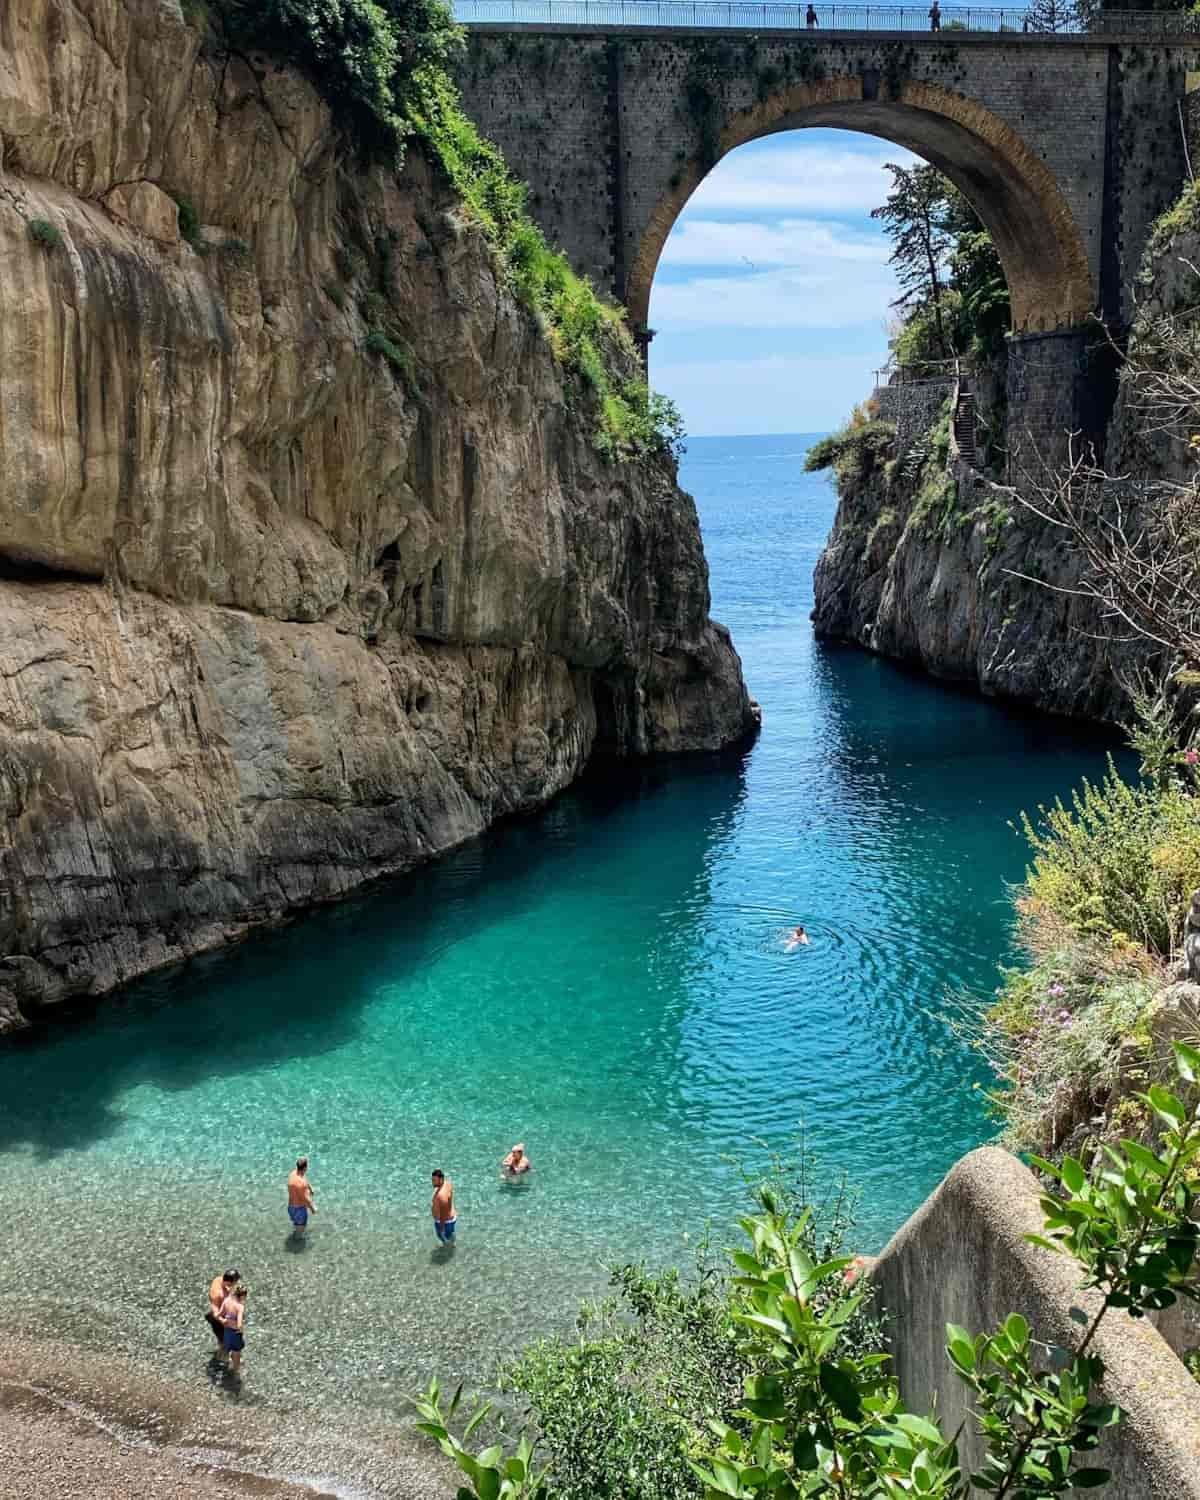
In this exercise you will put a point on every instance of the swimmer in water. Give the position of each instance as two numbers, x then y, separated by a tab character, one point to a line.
798	939
516	1163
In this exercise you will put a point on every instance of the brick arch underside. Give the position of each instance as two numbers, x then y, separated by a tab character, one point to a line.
1009	186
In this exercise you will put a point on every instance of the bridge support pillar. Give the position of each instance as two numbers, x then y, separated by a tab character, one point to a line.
1061	386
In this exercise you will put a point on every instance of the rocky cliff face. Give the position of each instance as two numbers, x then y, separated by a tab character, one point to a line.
278	613
931	565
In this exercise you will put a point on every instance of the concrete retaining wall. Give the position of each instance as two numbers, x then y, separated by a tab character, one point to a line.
961	1258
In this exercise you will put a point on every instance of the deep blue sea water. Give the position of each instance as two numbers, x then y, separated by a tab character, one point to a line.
606	981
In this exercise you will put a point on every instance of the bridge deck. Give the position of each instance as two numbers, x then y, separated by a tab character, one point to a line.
958	23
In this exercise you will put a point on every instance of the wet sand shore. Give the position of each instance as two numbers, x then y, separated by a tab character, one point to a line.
77	1424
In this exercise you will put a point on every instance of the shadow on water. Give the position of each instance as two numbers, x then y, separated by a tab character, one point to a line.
298	992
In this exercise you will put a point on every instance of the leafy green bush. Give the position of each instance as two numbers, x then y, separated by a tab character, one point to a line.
364	55
857	451
189	221
1119	864
917	343
400	359
43	233
1063	1035
621	1409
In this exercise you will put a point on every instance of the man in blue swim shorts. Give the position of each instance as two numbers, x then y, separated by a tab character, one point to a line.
300	1196
445	1221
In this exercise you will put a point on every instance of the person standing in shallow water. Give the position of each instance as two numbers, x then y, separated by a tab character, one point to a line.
218	1290
516	1163
445	1220
233	1321
300	1196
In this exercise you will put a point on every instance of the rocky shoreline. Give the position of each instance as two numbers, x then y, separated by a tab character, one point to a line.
84	1427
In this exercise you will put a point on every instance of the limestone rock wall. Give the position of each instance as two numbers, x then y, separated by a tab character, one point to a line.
279	614
939	568
935	564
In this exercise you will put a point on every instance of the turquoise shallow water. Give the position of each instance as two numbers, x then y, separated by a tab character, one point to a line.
606	981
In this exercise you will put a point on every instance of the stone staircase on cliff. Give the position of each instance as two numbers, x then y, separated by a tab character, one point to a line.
964	426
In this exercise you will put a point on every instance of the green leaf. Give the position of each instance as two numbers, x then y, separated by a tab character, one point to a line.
706	1476
488	1484
1072	1174
727	1477
1143	1157
1043	1243
1187	1060
1017	1328
842	1390
919	1427
804	1451
1166	1106
760	1320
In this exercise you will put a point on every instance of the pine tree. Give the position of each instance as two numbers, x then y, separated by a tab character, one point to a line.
914	219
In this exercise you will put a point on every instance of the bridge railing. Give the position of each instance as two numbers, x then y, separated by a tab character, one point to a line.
739	15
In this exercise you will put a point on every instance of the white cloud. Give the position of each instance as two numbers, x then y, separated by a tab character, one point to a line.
790	242
813	179
773	394
817	296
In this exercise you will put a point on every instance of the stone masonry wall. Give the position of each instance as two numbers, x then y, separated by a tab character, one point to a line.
962	1258
614	129
913	405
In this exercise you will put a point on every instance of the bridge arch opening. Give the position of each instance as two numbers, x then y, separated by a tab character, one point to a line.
1010	188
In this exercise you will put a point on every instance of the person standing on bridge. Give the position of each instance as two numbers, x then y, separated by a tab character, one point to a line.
935	16
810	17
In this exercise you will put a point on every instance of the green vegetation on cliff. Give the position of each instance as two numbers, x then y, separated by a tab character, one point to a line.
856	451
1073	1033
382	66
953	295
1084	1024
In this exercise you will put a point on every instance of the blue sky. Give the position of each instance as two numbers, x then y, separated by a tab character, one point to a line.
770	302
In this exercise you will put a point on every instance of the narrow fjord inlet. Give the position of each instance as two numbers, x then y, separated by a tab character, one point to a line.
547	953
606	980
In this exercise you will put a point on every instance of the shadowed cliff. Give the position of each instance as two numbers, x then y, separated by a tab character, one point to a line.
284	605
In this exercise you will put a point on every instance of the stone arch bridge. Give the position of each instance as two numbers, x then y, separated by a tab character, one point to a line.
1068	147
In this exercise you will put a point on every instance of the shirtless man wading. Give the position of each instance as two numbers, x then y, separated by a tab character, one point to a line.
445	1222
221	1287
300	1197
